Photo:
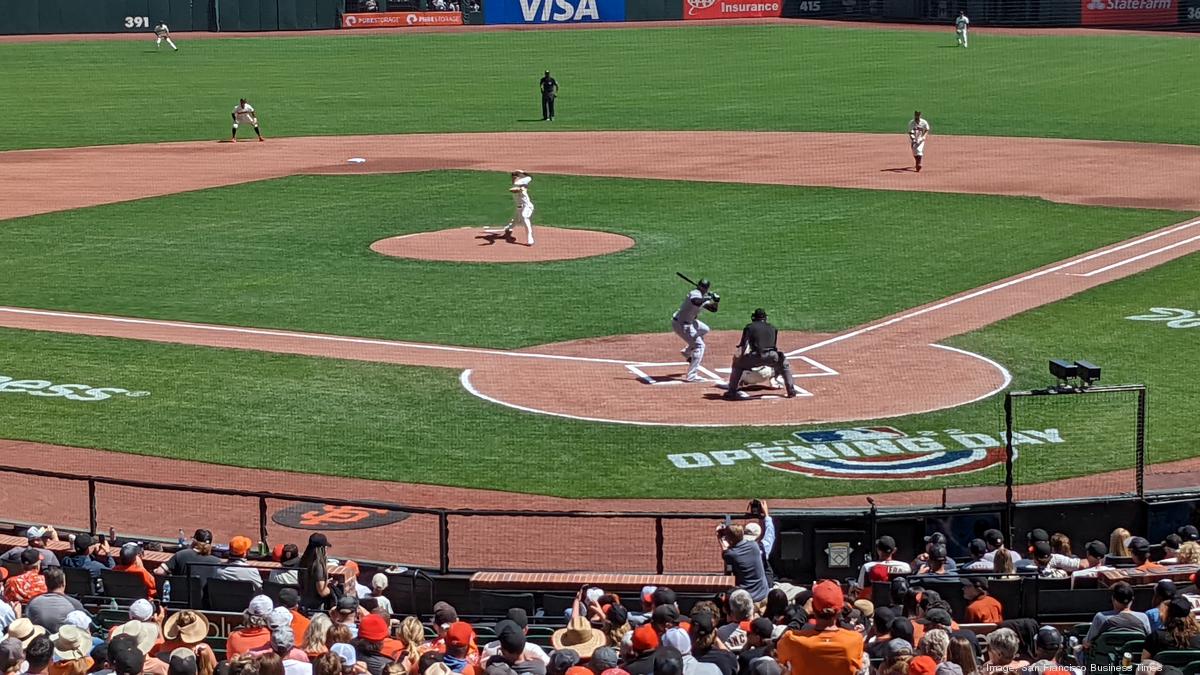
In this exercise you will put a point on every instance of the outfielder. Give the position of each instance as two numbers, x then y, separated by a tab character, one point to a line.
757	348
161	32
918	129
244	113
960	27
522	207
687	324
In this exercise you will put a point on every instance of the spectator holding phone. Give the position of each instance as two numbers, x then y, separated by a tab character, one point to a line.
744	558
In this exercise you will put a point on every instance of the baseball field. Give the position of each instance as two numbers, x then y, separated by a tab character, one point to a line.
226	303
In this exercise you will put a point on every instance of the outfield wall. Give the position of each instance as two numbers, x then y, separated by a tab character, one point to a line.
19	17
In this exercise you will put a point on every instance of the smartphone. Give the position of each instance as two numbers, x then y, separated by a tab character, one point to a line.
102	538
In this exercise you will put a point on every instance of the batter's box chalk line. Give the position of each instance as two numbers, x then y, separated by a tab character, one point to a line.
822	370
639	371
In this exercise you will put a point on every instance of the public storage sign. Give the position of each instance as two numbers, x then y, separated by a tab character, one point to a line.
401	19
731	9
1130	12
552	11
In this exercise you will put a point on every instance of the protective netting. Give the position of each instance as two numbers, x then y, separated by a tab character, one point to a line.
1075	445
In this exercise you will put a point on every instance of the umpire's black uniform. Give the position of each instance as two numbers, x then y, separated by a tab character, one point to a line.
758	349
549	90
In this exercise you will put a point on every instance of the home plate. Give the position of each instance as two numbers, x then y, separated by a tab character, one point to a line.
356	160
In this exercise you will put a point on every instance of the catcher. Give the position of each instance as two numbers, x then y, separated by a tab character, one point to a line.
756	349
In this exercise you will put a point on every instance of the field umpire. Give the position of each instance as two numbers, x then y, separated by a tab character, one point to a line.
549	88
757	348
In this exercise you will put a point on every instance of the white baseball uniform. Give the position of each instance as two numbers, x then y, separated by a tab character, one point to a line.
960	27
686	324
162	32
244	114
522	208
917	131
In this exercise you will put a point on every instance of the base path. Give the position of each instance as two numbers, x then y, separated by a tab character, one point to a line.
886	368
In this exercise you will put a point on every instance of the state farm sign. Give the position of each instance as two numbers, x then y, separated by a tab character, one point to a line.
1130	12
730	9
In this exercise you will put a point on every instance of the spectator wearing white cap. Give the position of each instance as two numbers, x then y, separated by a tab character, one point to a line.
254	632
37	537
379	584
677	638
762	534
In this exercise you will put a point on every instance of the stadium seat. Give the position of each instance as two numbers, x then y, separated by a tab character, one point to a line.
498	604
185	591
556	605
225	595
123	585
1192	668
1108	648
1008	593
1178	657
271	589
79	582
1075	605
951	590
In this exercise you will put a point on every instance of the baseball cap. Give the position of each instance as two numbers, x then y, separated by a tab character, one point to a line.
1166	588
346	653
978	582
765	666
459	634
444	614
83	542
648	594
372	627
35	532
280	616
886	543
1049	638
141	610
938	552
511	636
617	615
922	665
827	598
897	647
240	546
347	604
604	658
1041	549
182	662
518	616
289	597
1139	545
664	614
319	539
663	596
1037	534
1096	549
977	547
677	638
645	639
260	605
11	654
30	556
77	618
203	536
993	537
1188	533
702	624
124	655
939	616
752	531
1178	607
762	627
935	538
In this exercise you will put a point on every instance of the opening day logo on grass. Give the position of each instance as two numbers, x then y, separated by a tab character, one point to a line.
71	392
871	452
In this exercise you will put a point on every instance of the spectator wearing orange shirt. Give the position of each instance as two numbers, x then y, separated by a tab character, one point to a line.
823	648
983	608
290	598
254	632
1139	550
130	560
30	583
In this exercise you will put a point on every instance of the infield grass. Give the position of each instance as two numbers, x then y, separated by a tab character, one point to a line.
293	254
712	77
417	424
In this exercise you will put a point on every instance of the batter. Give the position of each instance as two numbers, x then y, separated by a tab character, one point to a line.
244	113
687	324
161	32
918	129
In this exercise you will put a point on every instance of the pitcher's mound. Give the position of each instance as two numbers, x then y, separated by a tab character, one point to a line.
474	244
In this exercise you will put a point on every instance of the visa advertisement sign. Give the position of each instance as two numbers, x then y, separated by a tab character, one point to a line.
552	11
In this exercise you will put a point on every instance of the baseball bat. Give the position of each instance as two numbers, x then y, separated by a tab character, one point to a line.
682	276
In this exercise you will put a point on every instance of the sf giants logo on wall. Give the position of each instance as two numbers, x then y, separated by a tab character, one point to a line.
874	453
310	516
1129	12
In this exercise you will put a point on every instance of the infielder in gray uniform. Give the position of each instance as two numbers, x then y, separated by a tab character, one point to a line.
687	325
757	348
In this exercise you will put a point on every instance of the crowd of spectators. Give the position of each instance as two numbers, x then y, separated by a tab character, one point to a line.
326	622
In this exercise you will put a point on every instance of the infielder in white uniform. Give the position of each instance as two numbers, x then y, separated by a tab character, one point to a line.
687	325
960	27
918	129
161	32
522	207
244	113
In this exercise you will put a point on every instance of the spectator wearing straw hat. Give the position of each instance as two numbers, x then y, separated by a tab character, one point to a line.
188	629
578	636
24	631
72	647
145	636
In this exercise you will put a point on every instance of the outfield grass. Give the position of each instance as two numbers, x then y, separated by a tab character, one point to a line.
293	253
417	424
713	77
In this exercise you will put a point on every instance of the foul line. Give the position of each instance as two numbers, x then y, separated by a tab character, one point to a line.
306	336
1136	258
995	287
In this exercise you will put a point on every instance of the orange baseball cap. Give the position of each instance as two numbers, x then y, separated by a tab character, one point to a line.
644	639
240	545
827	597
459	634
